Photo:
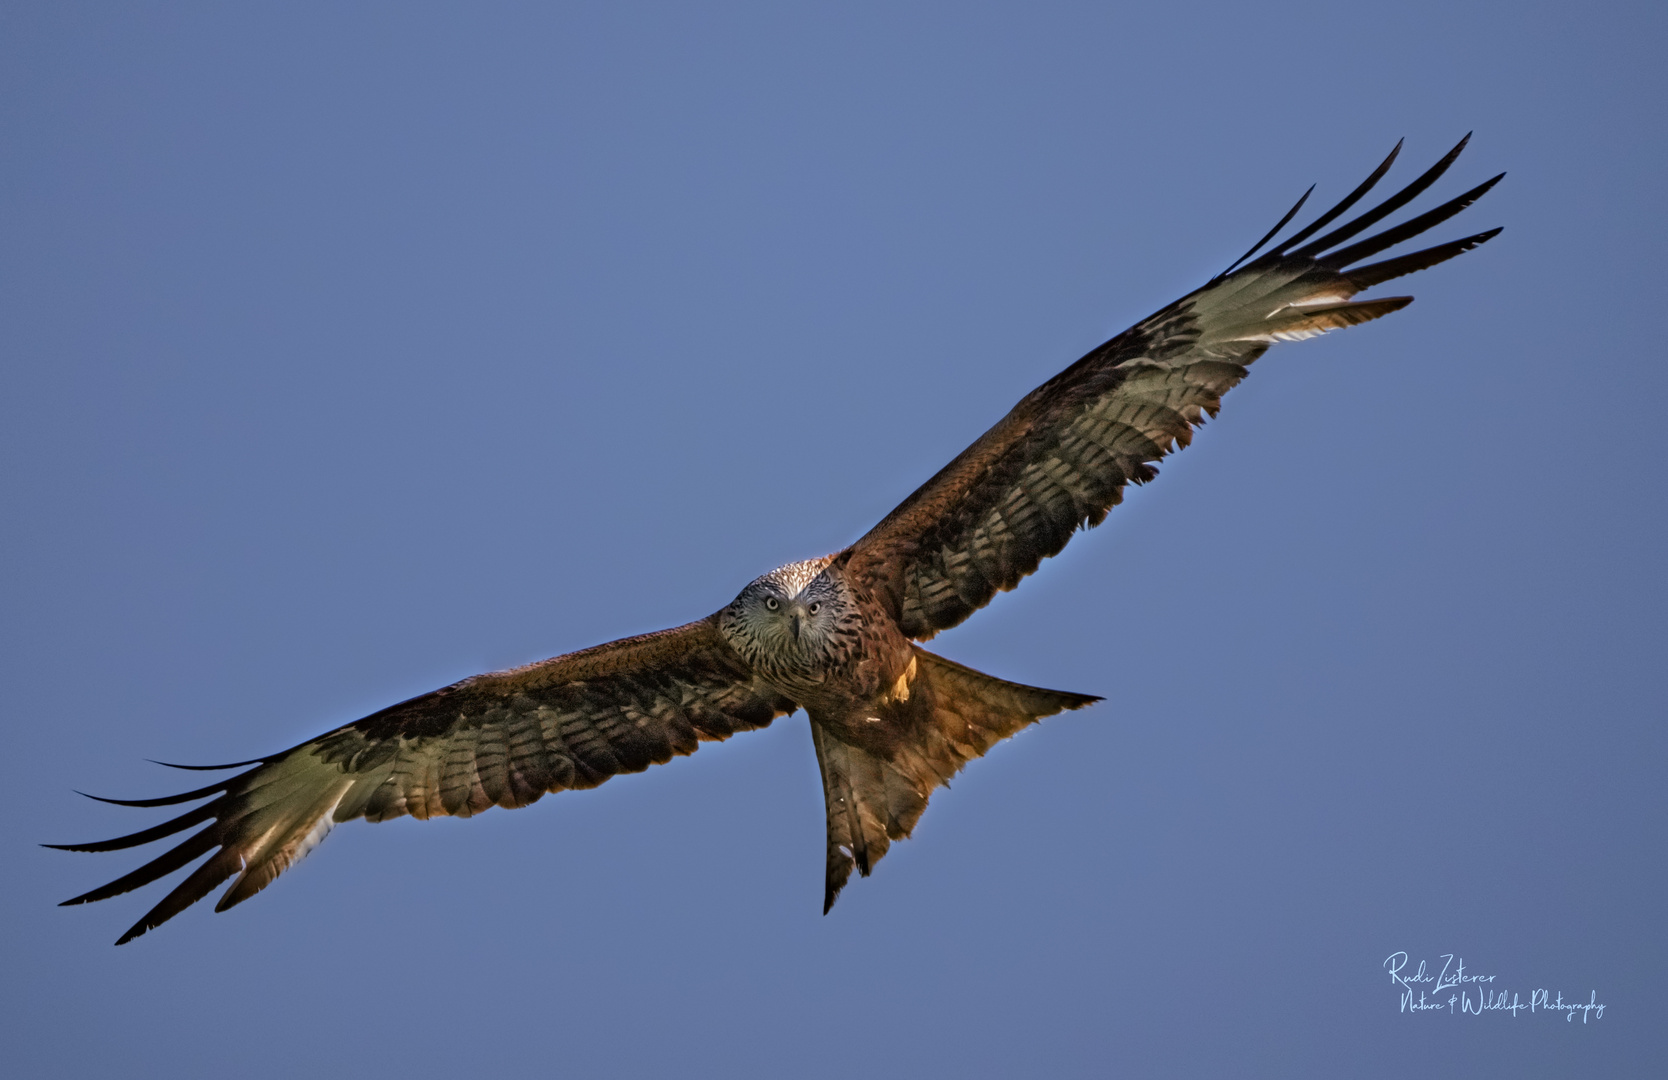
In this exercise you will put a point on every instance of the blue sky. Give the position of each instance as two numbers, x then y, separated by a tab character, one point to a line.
352	349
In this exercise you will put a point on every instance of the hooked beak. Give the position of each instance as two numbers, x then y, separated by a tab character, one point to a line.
795	623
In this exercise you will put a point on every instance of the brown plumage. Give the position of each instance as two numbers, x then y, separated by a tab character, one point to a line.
834	636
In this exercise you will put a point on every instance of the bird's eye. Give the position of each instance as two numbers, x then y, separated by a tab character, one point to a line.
815	607
771	604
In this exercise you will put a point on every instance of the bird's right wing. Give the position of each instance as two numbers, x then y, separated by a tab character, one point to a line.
500	739
1059	461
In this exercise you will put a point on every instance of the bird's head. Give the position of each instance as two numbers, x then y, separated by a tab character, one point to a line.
788	615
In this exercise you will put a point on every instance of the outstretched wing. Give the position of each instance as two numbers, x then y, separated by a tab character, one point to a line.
1059	461
501	739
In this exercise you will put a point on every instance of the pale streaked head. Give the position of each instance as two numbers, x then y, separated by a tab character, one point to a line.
785	621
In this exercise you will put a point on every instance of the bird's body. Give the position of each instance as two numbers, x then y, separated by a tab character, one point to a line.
890	721
839	636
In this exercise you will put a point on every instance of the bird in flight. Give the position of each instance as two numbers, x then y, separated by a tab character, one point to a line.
837	636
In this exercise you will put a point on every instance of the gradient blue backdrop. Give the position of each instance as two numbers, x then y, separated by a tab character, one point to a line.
347	350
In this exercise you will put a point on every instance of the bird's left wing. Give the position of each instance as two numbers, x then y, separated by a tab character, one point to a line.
500	739
1059	461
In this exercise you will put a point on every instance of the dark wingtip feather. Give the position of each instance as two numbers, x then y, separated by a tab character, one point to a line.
208	768
145	836
164	800
201	882
166	863
1281	224
1344	204
1387	207
1365	277
1389	238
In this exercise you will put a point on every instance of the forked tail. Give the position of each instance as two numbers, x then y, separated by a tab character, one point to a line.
958	714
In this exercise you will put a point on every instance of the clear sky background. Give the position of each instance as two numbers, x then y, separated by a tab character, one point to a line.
347	350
